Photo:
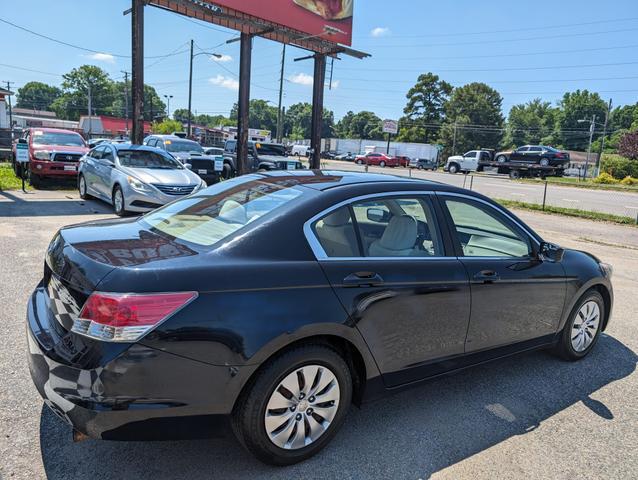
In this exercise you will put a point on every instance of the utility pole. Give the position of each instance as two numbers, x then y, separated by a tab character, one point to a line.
281	92
602	140
126	99
10	112
454	140
88	85
592	127
137	69
190	93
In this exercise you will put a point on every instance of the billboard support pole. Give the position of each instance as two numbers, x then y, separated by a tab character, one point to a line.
317	109
137	69
243	103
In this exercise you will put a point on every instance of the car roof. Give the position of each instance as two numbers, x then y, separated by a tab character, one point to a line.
323	180
130	146
48	129
170	137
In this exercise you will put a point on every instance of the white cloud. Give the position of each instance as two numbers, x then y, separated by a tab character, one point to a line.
301	79
335	83
102	57
380	32
225	82
223	58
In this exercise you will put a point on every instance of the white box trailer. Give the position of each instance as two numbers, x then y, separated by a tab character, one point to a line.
359	146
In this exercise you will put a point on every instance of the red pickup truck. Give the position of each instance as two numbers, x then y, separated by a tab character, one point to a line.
380	159
53	153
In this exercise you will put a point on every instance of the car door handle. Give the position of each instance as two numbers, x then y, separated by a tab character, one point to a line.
486	276
363	279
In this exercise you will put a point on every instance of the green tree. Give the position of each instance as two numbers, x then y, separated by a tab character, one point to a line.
425	109
76	85
37	96
261	115
298	122
153	106
166	126
531	122
623	117
476	110
363	124
575	106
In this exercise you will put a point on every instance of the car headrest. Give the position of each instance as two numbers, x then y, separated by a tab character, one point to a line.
233	212
337	218
400	234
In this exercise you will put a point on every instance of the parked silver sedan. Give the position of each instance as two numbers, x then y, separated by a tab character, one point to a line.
134	178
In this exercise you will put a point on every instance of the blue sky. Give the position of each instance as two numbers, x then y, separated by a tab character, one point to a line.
524	49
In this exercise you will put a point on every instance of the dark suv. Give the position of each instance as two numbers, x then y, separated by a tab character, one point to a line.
208	167
540	154
261	156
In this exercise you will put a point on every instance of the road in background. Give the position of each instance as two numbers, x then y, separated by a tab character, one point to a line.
499	186
529	416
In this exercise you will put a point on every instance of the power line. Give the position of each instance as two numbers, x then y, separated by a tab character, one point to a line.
77	47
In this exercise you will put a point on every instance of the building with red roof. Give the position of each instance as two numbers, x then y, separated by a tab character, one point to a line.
101	125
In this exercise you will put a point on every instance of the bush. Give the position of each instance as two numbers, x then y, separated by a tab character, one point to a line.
628	145
629	181
619	167
605	178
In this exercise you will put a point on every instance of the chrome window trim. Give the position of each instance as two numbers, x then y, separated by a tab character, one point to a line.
320	254
318	250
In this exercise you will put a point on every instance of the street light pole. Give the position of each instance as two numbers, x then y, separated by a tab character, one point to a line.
190	85
592	126
168	105
281	91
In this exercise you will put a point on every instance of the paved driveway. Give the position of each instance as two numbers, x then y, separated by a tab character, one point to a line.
530	416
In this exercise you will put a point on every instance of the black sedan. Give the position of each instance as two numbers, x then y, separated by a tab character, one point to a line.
535	154
276	300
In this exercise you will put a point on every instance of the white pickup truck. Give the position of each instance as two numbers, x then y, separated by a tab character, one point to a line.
468	162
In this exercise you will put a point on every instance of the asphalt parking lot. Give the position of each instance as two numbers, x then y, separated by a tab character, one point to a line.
531	416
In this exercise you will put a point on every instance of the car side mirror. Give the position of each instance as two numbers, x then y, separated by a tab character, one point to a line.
551	252
378	215
22	140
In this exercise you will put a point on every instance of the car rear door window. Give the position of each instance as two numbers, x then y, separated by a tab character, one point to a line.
483	232
381	228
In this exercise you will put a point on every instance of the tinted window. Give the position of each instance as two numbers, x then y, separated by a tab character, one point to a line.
219	211
108	154
482	232
336	234
57	138
522	149
471	154
183	146
147	159
270	149
535	149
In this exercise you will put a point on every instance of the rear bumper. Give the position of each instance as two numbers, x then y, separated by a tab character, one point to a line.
139	394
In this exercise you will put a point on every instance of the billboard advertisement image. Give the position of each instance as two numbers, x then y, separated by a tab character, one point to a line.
308	16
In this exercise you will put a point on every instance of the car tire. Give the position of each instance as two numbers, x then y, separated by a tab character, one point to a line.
359	162
382	164
501	159
249	419
544	162
515	174
453	168
119	204
227	171
35	180
82	188
419	167
569	346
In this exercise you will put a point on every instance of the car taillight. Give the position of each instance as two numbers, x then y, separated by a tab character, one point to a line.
116	317
559	155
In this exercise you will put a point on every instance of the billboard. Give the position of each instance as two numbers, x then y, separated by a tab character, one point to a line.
390	126
308	16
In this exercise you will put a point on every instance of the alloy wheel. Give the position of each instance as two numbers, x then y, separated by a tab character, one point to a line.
118	200
302	407
585	326
82	186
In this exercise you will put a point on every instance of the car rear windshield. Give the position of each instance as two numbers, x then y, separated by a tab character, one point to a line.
183	146
270	149
147	159
57	138
219	211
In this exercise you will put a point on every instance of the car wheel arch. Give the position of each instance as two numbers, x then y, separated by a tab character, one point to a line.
594	284
354	352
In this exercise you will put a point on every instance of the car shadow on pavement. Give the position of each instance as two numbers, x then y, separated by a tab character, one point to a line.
412	434
41	203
